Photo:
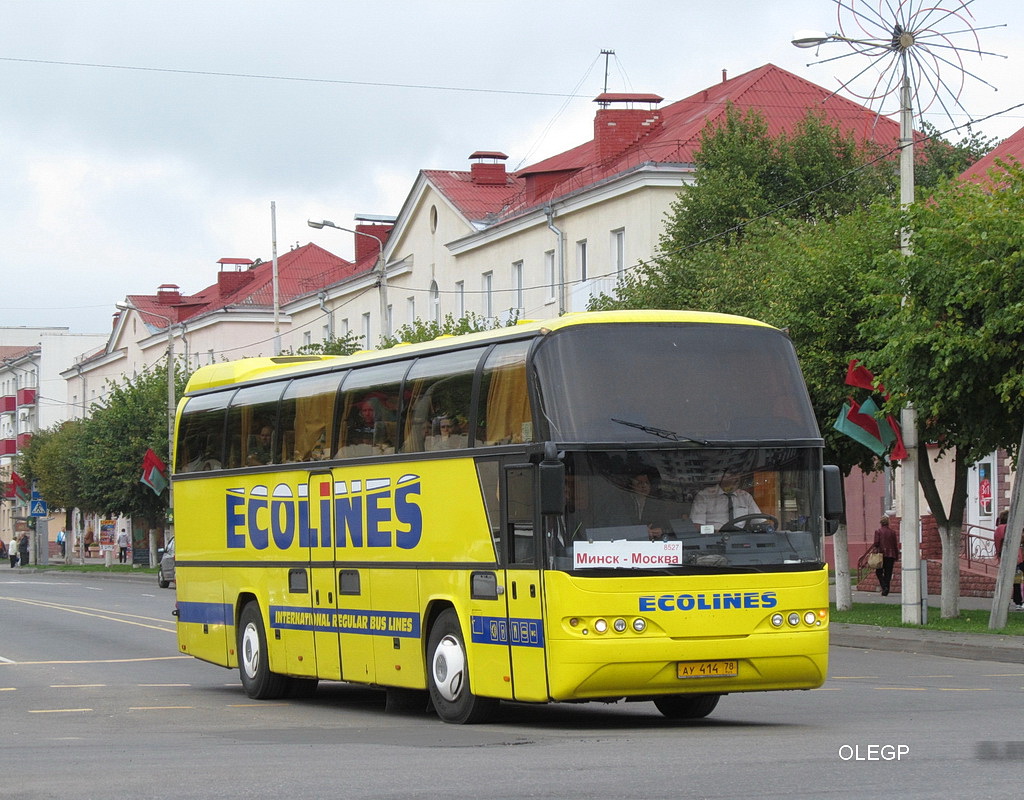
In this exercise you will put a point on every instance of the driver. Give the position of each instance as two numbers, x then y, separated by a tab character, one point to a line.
719	504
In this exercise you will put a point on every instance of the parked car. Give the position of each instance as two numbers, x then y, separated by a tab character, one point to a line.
165	572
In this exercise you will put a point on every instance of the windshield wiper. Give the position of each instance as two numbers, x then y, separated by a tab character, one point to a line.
664	434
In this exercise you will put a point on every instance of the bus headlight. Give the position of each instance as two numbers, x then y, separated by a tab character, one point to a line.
777	620
600	625
810	618
639	625
619	625
794	618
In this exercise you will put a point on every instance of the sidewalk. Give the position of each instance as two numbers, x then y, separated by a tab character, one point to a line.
979	646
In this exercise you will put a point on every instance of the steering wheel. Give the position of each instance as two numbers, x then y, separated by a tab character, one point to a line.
732	525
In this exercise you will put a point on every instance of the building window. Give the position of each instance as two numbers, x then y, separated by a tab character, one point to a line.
487	287
344	328
619	251
366	330
460	296
389	321
549	274
517	284
410	310
307	338
581	259
435	302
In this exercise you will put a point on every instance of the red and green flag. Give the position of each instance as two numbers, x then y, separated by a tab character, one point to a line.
18	490
154	472
864	422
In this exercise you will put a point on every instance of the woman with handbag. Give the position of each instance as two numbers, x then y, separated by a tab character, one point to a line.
888	545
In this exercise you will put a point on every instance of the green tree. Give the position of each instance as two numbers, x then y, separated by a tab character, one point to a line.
948	332
335	346
813	173
939	160
95	464
53	458
427	330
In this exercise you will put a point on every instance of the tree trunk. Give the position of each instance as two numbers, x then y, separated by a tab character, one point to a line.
950	526
844	592
951	536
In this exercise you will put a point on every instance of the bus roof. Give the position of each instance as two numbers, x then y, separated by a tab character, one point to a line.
228	373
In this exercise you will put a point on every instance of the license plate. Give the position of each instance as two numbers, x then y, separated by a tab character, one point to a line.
707	669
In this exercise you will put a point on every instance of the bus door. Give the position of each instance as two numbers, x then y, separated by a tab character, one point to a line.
523	557
350	580
323	576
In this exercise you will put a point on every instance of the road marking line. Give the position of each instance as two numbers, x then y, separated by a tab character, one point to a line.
77	685
159	708
57	710
106	660
161	685
901	688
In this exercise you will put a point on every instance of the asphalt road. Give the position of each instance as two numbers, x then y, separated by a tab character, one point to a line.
95	702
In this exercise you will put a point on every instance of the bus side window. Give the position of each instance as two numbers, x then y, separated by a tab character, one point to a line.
503	415
440	400
487	474
368	417
252	426
519	511
308	404
201	435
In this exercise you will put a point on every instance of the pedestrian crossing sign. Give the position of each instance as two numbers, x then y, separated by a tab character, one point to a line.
38	508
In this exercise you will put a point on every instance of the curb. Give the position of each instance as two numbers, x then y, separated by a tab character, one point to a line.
976	646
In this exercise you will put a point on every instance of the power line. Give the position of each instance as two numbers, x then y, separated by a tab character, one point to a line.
289	78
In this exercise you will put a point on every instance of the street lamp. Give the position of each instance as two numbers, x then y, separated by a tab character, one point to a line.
899	44
382	275
171	400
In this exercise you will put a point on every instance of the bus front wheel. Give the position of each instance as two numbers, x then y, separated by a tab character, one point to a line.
449	675
687	706
253	660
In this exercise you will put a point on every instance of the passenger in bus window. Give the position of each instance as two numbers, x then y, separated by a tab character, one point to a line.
648	509
716	505
261	450
448	435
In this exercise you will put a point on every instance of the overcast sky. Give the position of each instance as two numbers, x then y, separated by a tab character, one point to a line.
146	170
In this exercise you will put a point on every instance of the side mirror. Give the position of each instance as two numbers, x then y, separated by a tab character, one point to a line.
552	482
833	481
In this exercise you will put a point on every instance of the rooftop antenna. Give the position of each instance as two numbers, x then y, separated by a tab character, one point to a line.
606	54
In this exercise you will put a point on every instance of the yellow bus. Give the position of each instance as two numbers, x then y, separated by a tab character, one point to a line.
599	507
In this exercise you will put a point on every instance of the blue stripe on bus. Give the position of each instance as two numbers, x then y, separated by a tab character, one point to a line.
510	631
206	613
346	620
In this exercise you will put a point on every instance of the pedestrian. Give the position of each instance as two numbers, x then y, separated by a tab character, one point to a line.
62	538
1000	538
888	545
12	550
122	546
23	550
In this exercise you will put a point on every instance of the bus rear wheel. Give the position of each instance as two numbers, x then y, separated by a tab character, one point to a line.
253	660
687	706
448	672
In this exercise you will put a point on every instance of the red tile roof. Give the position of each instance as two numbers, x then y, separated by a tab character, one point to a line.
300	271
670	136
1010	149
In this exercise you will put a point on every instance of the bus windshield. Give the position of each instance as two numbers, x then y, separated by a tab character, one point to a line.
704	509
695	382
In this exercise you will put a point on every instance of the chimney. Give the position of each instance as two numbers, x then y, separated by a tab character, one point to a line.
229	282
372	227
617	129
488	168
168	294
